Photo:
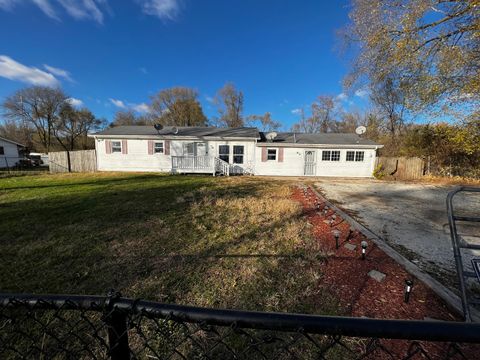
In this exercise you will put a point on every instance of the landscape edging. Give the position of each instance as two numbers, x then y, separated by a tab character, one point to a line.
442	291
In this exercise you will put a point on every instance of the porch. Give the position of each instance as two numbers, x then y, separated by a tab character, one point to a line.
203	164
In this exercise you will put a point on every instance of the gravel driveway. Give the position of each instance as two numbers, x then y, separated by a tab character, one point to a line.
412	218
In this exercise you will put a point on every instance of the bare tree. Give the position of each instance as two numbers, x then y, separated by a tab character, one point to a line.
177	106
266	122
38	107
129	117
391	104
17	131
229	101
72	125
323	116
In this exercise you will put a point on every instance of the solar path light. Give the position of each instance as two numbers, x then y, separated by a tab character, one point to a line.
364	246
336	235
408	289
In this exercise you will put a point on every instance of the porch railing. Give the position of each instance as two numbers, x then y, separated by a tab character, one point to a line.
192	163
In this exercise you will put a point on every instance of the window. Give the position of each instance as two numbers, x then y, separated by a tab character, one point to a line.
336	155
158	149
189	149
272	154
116	146
238	152
355	155
2	151
326	155
359	155
350	156
224	152
331	155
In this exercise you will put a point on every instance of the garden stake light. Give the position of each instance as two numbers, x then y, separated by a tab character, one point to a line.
364	249
336	235
408	289
350	233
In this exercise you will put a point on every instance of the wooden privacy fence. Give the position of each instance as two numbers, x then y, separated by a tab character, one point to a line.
80	160
400	168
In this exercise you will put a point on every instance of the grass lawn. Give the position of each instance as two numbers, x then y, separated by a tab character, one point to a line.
237	242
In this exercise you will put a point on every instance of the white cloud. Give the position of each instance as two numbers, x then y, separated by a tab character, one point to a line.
140	108
75	102
361	93
14	70
143	70
83	9
210	99
78	9
118	103
342	97
163	9
296	111
47	8
58	72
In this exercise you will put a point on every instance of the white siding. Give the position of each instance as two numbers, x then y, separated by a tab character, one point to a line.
10	156
138	159
294	163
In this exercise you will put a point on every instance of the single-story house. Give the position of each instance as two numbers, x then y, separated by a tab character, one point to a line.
227	151
11	152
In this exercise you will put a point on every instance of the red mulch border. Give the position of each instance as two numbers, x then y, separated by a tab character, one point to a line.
345	275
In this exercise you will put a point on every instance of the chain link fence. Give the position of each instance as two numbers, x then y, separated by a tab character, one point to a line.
13	166
94	327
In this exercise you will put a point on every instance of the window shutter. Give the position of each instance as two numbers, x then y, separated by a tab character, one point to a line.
150	147
280	154
264	154
167	147
124	147
108	146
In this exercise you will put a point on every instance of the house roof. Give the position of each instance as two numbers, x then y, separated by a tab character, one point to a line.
321	139
287	138
11	141
188	131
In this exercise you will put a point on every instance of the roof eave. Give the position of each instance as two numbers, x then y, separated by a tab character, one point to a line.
172	137
323	146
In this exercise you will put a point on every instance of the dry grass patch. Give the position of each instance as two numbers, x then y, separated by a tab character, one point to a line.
234	242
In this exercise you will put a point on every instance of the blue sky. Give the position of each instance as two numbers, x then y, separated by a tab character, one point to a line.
112	54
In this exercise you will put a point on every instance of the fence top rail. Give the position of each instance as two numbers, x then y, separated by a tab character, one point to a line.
314	324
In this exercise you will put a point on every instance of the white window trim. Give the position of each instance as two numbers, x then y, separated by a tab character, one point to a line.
346	156
276	154
242	155
363	157
330	158
163	148
121	147
230	149
354	160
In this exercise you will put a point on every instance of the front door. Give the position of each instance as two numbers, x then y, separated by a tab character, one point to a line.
309	162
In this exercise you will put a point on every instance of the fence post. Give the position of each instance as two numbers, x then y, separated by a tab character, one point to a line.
116	321
6	164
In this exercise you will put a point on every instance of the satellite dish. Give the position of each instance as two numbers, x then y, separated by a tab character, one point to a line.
360	130
271	135
158	127
175	130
